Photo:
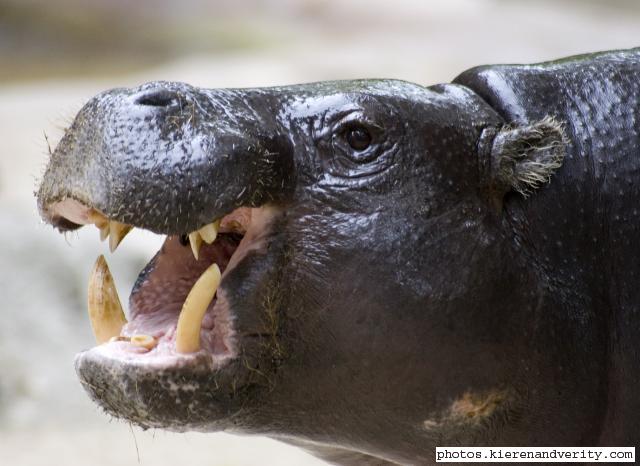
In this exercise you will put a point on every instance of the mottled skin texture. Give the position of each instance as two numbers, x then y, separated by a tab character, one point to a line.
408	297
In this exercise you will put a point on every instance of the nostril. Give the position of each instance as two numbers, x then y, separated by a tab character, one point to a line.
158	98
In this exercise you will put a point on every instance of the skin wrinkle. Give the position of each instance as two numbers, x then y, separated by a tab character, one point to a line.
430	290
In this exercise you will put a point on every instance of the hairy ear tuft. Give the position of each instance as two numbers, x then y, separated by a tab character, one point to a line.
524	157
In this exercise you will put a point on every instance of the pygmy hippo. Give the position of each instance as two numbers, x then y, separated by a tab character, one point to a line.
370	269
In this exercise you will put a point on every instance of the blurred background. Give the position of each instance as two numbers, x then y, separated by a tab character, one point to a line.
56	54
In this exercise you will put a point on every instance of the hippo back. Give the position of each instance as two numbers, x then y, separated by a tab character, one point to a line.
582	231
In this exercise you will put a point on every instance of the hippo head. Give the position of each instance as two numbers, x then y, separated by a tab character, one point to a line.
372	298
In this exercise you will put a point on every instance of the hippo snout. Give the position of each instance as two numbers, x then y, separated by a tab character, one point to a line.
167	157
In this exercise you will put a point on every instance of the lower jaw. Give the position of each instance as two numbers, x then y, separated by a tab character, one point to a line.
161	387
195	392
179	392
189	395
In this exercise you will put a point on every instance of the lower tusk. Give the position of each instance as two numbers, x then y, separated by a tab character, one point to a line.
194	309
105	310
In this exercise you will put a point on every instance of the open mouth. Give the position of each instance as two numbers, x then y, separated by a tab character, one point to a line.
178	310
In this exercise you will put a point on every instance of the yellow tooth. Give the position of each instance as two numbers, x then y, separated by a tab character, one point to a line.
209	232
98	219
234	225
117	232
144	341
118	338
101	222
194	309
104	232
196	241
105	310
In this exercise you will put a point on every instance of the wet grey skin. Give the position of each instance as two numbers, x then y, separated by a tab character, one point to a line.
445	265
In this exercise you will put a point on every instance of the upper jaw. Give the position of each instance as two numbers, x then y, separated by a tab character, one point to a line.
169	168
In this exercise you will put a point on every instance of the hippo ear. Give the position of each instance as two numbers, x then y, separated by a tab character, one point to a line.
523	157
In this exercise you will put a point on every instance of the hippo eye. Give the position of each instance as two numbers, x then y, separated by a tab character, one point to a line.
358	138
356	146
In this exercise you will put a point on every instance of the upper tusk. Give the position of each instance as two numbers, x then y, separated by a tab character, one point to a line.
117	232
104	232
210	232
98	219
101	222
196	241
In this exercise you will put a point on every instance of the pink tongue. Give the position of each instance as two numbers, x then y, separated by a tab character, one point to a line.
162	287
156	325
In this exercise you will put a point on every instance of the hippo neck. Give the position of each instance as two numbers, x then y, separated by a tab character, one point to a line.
581	238
581	230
